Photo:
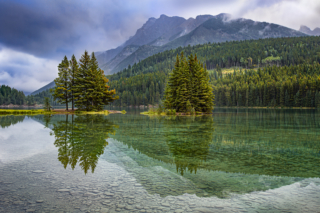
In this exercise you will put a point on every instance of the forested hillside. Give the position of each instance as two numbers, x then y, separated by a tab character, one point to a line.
143	83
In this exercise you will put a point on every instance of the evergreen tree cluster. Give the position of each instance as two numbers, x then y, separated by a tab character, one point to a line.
188	88
10	95
83	84
287	86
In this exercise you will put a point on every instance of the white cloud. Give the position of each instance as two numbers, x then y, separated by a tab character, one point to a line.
25	72
15	146
290	13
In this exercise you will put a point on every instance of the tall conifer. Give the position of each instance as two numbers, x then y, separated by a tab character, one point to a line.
83	84
74	68
62	90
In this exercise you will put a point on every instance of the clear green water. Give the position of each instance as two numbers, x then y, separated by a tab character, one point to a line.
236	160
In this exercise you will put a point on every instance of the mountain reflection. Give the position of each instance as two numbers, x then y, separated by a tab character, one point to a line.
81	139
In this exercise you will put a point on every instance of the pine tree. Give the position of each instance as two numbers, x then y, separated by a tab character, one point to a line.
62	90
91	91
101	94
172	85
83	84
74	68
188	87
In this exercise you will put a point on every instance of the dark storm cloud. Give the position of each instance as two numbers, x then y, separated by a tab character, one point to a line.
51	28
36	30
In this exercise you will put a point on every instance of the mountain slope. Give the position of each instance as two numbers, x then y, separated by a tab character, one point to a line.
215	29
155	32
124	53
44	88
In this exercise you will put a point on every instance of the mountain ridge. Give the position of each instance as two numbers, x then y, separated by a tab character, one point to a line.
202	29
167	33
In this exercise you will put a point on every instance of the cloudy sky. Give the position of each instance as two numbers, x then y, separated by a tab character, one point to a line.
36	34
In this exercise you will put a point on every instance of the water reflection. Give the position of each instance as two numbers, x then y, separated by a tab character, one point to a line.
263	142
188	140
6	121
81	139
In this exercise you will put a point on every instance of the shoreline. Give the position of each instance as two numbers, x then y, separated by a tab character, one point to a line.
21	106
4	112
224	107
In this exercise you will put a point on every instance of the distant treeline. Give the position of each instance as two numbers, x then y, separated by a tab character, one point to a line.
10	95
294	86
39	98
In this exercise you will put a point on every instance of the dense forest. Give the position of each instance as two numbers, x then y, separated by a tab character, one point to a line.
10	95
294	86
144	82
248	53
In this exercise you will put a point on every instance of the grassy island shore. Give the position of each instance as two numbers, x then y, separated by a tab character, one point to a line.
172	112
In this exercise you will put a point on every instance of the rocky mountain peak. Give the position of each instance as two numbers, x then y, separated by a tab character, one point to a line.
308	31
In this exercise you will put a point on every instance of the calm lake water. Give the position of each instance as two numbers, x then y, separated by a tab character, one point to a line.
238	160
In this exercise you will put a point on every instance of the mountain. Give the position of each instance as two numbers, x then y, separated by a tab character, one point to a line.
48	86
215	29
165	33
155	32
308	31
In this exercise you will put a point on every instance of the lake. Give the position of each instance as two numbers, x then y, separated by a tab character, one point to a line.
237	160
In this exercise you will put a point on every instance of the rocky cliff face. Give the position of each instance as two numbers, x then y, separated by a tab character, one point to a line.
171	32
155	32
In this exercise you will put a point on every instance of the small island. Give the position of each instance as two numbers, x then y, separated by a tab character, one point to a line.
188	91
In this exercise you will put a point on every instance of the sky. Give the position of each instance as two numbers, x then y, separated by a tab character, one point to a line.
35	35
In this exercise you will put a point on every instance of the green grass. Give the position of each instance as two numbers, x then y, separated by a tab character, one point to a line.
230	70
23	112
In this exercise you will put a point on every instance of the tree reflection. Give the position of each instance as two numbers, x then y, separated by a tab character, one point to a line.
6	121
82	139
188	140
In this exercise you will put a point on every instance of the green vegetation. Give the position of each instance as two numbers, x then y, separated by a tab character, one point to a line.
81	140
144	82
10	95
47	106
188	89
85	86
23	112
46	112
294	86
6	121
